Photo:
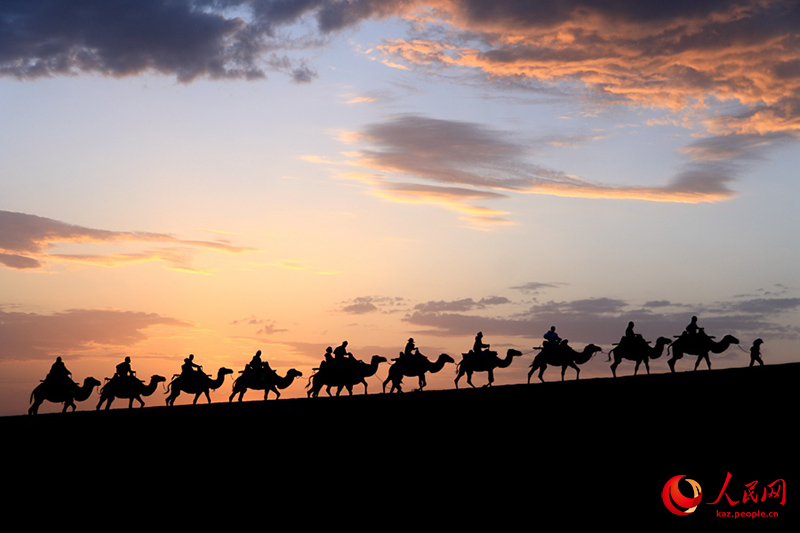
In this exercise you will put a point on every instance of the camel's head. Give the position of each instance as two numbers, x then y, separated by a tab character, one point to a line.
446	358
514	353
158	379
664	340
225	371
92	382
294	373
731	339
593	349
379	359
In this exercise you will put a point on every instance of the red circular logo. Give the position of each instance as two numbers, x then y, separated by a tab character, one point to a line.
676	502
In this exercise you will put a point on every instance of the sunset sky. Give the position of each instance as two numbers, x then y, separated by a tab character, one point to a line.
219	177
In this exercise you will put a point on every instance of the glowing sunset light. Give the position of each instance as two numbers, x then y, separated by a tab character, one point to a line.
217	179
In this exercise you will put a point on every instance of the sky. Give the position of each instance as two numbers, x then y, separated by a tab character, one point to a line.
220	177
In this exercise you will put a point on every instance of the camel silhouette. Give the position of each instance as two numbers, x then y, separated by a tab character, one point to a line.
562	355
414	365
699	344
266	381
342	374
129	387
58	392
483	362
636	350
196	383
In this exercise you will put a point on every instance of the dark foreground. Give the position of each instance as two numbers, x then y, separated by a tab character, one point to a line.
595	451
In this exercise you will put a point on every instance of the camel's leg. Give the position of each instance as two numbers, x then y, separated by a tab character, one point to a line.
384	385
635	370
469	379
563	371
647	366
541	372
34	408
700	358
458	376
491	378
614	366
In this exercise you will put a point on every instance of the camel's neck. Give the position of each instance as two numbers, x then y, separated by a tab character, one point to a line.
721	346
436	365
283	382
84	391
504	363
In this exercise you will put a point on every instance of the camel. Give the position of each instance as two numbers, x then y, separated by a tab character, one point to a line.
267	381
484	362
61	392
196	383
561	355
639	351
128	387
698	344
414	365
343	375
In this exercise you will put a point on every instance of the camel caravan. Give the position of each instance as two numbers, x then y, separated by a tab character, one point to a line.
340	370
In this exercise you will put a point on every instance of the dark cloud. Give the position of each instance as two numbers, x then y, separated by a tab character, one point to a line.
466	304
25	336
372	304
186	39
476	158
25	241
603	320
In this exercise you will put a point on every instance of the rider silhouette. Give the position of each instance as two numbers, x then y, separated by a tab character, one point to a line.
341	353
124	371
478	347
59	375
410	347
551	336
188	366
692	328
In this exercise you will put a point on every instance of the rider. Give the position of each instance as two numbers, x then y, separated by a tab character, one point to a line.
692	328
410	352
478	347
124	370
410	347
551	336
255	364
188	366
59	374
340	353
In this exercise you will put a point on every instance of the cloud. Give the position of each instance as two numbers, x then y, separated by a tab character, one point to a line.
26	242
76	332
603	320
462	164
536	286
363	305
466	304
188	39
